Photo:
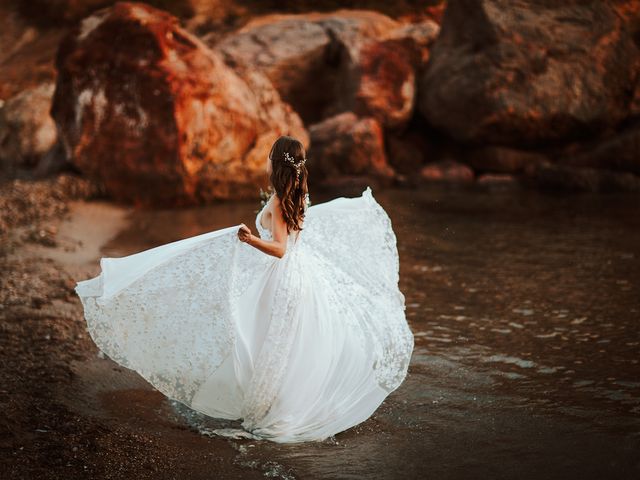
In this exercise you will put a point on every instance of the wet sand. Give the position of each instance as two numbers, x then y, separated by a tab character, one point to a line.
493	284
67	413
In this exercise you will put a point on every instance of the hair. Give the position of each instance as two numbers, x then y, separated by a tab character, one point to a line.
290	188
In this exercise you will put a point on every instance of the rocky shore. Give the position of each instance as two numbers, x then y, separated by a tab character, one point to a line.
49	426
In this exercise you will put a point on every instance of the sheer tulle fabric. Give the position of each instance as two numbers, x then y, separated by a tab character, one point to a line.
299	348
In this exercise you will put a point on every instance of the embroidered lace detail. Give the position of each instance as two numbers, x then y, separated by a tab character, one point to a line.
163	326
356	238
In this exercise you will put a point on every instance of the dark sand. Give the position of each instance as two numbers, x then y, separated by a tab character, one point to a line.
65	413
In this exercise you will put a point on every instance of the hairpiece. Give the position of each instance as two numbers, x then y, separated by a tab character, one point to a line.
297	165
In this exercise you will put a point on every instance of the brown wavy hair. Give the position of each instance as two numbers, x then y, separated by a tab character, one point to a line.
290	188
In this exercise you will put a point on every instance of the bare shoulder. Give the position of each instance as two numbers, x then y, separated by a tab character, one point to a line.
275	202
270	202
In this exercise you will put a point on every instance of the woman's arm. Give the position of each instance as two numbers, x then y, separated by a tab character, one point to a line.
276	247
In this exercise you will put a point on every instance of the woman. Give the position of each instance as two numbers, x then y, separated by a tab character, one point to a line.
300	332
286	167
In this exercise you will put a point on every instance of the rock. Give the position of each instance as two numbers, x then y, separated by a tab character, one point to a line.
382	74
531	72
275	116
293	54
550	176
620	151
308	56
358	61
407	153
417	38
447	171
495	181
383	79
347	145
495	158
27	131
26	56
51	13
159	118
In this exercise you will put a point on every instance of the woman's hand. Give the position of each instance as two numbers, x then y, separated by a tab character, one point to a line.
276	247
244	233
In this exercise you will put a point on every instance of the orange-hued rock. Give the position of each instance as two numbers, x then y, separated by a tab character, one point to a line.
447	171
495	181
619	151
499	159
159	118
550	176
384	84
530	73
383	73
347	60
27	131
311	57
347	145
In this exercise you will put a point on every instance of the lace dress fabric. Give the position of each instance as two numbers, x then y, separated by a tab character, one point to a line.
299	348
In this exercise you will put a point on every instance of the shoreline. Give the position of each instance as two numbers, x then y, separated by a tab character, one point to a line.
67	411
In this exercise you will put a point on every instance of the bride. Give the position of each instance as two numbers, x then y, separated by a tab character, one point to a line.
299	332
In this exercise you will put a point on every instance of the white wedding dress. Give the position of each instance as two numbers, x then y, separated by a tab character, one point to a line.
300	347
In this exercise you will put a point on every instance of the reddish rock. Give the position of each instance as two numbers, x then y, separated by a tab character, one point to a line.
150	111
529	72
417	39
294	55
447	171
383	79
27	131
502	159
383	73
436	12
308	57
52	13
348	60
408	152
26	56
345	144
550	176
619	151
497	181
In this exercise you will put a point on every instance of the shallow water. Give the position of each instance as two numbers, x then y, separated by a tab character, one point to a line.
525	308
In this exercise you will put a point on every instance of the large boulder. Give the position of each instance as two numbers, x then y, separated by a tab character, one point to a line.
27	131
498	159
529	72
380	78
347	145
617	152
154	114
550	176
26	56
53	13
328	63
308	57
295	55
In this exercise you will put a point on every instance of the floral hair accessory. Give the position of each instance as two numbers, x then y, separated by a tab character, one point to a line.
297	165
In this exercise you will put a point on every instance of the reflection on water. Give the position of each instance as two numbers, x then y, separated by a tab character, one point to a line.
525	309
541	292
